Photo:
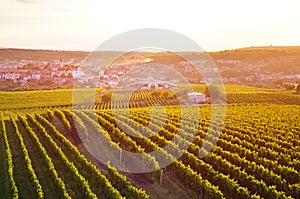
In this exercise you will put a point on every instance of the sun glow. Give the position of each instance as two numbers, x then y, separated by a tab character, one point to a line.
215	25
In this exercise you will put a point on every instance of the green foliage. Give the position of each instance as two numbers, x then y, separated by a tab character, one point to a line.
127	189
31	171
43	98
106	188
10	166
106	97
214	91
51	168
289	87
256	155
298	88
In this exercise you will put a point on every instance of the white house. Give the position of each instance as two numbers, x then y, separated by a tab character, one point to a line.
196	97
156	85
112	83
101	72
12	76
152	85
56	74
36	76
77	73
147	85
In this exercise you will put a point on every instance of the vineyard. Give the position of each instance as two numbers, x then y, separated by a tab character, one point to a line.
257	154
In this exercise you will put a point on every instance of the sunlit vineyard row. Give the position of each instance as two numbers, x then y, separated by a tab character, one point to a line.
38	161
146	98
41	99
257	154
263	98
43	151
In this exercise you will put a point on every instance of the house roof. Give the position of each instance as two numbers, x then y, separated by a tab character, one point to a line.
194	93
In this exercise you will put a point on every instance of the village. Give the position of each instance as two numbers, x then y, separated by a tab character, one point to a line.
66	73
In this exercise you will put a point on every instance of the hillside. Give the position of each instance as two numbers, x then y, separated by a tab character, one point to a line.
265	66
270	58
246	54
44	55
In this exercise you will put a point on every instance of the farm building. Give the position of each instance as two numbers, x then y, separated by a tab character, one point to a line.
196	97
147	85
105	80
155	85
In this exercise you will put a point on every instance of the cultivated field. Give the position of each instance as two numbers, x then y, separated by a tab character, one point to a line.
257	154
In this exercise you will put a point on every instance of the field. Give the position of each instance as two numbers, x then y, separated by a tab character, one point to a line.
42	155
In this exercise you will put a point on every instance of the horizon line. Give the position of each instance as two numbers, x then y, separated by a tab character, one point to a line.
88	51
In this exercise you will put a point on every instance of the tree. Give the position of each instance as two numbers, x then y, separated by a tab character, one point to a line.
70	75
63	75
213	91
106	97
278	82
156	93
289	87
28	72
298	88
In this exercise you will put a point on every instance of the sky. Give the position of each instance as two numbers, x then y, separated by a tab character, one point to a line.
212	24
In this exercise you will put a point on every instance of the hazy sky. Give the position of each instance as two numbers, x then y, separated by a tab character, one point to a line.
85	24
